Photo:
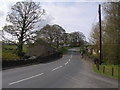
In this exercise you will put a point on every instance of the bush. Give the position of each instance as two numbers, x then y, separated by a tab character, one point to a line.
62	50
9	56
94	56
80	50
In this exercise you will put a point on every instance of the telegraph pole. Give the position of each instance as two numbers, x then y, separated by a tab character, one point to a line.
100	51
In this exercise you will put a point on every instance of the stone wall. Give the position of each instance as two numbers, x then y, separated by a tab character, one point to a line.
40	50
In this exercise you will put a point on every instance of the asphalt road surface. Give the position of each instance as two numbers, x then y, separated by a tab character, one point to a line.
70	71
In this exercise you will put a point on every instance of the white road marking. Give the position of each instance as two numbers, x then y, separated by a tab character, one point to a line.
69	59
57	68
26	79
66	63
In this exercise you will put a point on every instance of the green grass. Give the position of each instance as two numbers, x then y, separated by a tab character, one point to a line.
9	52
9	46
108	70
13	47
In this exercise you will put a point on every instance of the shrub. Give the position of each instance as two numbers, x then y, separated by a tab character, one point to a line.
62	50
94	56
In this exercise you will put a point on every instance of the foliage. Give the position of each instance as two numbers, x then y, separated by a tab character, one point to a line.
62	50
39	41
94	56
81	49
57	37
76	39
53	34
110	33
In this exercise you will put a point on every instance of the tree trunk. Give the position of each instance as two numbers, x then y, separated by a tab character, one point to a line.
57	42
20	48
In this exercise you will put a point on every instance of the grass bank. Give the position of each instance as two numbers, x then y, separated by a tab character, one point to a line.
7	48
9	52
108	70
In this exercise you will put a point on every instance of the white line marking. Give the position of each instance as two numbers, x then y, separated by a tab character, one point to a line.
66	63
57	68
26	78
69	59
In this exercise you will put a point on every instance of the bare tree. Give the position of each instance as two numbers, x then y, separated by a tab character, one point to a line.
23	19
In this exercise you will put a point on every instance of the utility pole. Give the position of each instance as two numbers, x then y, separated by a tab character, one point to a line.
100	51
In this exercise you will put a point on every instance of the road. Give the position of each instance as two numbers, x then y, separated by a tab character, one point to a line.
70	71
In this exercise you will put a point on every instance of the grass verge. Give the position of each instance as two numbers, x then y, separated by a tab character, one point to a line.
9	52
108	70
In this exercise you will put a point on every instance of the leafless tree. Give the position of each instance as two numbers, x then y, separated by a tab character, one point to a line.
23	18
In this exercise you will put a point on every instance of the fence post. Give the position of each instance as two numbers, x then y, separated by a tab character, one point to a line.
98	67
112	71
103	69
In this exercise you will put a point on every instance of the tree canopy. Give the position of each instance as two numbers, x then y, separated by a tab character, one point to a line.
53	34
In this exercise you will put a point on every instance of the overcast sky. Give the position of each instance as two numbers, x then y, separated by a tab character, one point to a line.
72	16
78	16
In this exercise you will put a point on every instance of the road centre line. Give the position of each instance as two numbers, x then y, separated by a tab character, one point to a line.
57	68
26	79
15	82
66	63
69	59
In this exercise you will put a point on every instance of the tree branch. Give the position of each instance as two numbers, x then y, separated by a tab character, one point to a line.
10	41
